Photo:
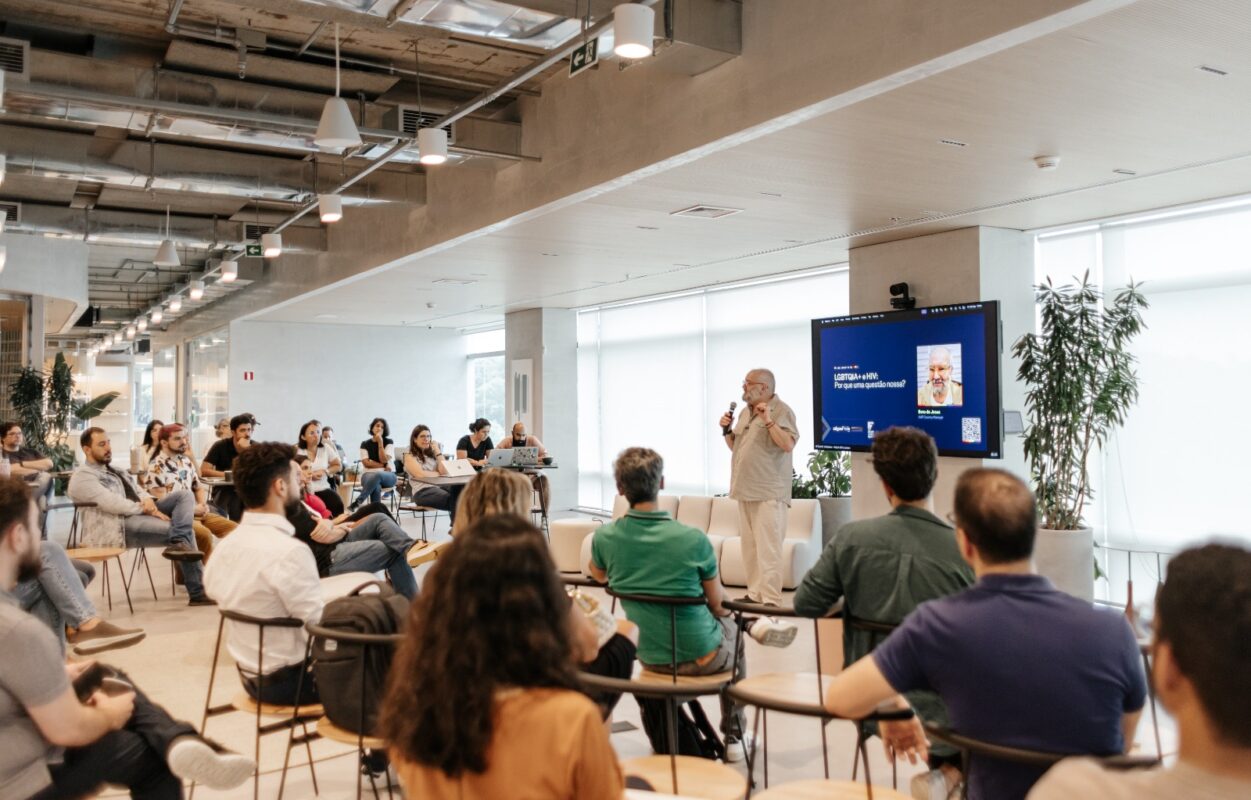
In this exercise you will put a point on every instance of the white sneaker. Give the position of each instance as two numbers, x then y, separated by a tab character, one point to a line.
736	750
771	632
932	785
200	761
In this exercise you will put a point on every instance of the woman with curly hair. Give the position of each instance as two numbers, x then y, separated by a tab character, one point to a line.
483	699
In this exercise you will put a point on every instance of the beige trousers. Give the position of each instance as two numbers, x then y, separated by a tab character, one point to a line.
761	526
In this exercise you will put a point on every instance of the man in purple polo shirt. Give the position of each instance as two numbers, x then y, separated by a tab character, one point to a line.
1016	661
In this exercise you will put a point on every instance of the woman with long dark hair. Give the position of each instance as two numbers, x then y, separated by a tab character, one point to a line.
149	450
483	698
377	457
323	461
424	459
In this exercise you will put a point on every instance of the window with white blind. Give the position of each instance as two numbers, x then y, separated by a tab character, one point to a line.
1172	476
659	372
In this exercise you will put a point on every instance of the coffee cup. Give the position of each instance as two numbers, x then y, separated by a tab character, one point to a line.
230	475
547	461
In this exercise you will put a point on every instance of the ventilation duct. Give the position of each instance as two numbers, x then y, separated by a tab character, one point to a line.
15	58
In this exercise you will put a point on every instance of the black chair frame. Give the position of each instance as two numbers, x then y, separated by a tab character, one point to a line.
262	729
878	631
368	640
764	702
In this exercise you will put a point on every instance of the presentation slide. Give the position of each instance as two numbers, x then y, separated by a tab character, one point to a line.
932	368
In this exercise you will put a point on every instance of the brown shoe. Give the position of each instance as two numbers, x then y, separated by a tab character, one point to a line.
105	636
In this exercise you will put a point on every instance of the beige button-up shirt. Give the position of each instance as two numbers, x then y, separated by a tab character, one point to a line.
759	469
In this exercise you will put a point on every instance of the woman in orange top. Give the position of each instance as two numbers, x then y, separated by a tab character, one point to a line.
483	699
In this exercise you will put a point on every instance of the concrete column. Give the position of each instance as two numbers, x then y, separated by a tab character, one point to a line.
548	339
940	269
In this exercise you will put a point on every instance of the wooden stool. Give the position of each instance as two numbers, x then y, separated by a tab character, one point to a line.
425	552
328	730
244	702
697	777
827	790
102	556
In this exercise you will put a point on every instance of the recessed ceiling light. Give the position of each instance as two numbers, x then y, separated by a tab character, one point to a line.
1212	70
1125	171
550	255
953	142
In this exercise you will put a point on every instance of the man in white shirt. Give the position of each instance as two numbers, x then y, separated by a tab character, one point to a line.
1201	657
261	570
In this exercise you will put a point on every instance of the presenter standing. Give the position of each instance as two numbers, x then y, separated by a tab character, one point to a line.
760	480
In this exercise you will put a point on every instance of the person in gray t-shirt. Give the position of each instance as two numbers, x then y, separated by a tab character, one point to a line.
54	745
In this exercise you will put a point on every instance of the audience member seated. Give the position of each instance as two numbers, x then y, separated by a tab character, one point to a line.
377	458
1016	661
69	729
146	451
327	438
424	459
172	470
57	597
477	445
126	516
483	698
264	571
222	429
603	645
1202	645
371	544
29	465
324	462
218	461
647	552
518	438
882	568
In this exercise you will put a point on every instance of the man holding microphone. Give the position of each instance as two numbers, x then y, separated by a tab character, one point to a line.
760	480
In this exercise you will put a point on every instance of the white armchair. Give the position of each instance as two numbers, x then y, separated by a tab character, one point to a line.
801	545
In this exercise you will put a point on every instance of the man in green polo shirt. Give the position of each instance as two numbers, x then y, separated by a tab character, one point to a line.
883	568
647	552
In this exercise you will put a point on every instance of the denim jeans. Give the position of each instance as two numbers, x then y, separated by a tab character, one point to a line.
145	531
376	543
372	484
733	720
41	486
58	597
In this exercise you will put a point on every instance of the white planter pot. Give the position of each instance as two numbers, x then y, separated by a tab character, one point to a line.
1068	559
835	513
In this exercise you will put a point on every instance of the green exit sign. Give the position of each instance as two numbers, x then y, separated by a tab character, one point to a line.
585	56
253	250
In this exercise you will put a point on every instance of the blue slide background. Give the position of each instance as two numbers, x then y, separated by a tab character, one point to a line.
890	349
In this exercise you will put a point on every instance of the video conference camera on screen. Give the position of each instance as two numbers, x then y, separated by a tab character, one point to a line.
934	368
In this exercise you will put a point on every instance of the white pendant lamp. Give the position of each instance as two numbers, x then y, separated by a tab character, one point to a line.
3	159
142	324
337	129
331	207
166	255
175	304
432	145
271	245
197	290
633	25
230	271
130	331
4	256
158	315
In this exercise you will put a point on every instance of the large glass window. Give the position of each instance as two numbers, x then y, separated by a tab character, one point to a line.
164	395
486	377
658	373
207	382
1162	481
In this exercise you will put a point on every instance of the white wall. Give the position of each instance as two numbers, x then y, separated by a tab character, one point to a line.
345	375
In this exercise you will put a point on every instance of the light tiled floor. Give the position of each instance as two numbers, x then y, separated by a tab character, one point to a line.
172	665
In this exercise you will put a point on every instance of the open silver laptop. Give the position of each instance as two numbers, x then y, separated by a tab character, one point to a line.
500	457
525	456
459	468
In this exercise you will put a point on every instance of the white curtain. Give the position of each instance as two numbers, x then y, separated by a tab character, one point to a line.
658	373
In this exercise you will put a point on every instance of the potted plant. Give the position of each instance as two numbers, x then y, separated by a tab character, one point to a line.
1080	384
830	485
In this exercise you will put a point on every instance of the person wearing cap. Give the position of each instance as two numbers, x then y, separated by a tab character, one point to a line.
218	460
172	470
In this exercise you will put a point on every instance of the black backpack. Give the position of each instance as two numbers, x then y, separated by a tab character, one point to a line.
696	736
351	678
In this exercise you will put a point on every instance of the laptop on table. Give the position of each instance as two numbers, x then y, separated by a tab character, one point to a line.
459	468
500	457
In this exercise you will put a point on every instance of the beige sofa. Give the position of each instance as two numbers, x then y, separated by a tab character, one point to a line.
715	516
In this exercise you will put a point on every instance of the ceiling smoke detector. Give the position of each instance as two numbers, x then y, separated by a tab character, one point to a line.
1047	163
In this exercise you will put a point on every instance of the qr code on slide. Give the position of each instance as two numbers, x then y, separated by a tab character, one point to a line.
971	430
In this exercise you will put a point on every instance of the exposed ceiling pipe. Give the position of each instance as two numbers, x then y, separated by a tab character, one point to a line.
464	110
174	10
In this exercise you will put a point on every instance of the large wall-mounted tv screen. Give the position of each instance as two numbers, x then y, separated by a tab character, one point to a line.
936	369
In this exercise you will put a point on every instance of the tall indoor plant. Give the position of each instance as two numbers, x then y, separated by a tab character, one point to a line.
45	409
1080	384
830	485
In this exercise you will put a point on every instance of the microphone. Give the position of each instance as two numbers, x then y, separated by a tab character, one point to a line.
725	430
